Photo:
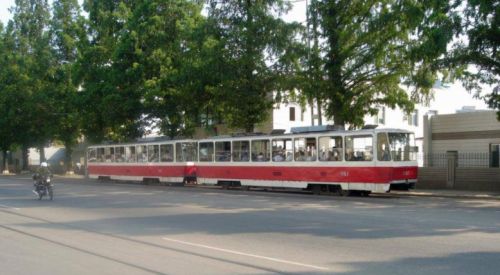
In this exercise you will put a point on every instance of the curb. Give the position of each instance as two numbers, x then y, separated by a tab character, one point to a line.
454	196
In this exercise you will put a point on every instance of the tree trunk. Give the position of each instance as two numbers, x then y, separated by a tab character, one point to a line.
311	103
25	153
42	154
68	157
320	119
4	161
338	123
249	128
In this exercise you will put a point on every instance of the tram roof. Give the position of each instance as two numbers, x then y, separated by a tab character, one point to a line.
247	136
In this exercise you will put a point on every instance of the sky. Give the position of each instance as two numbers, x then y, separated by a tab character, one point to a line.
297	14
4	10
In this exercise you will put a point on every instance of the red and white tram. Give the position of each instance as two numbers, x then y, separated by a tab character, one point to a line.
371	160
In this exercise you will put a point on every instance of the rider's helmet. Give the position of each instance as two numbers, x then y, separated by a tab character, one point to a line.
44	164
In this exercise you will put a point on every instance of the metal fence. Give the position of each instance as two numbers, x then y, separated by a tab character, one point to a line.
464	160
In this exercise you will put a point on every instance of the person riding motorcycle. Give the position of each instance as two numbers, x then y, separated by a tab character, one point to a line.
42	182
42	172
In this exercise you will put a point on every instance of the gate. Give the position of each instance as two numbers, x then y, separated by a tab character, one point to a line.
452	163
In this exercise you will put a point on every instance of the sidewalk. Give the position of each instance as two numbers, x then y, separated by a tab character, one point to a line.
461	194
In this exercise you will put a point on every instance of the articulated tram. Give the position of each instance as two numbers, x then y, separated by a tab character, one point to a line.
361	161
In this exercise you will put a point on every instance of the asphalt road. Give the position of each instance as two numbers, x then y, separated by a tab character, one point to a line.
106	228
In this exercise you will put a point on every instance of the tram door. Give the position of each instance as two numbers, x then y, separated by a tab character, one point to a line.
452	161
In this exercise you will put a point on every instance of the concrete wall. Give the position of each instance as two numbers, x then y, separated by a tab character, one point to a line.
463	132
470	134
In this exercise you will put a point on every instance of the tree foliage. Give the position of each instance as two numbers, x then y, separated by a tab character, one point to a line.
475	55
110	109
33	58
157	54
368	49
66	31
256	50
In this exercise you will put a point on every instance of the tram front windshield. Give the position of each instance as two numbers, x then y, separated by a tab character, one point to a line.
402	147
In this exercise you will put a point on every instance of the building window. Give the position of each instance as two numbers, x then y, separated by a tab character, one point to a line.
495	155
379	118
292	113
412	118
381	115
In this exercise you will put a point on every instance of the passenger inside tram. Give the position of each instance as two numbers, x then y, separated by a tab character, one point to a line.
311	153
120	158
349	154
301	156
244	156
279	154
131	158
336	155
260	157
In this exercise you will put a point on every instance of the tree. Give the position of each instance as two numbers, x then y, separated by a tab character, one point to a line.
256	53
109	109
34	58
156	55
15	101
370	48
313	72
7	137
67	29
475	59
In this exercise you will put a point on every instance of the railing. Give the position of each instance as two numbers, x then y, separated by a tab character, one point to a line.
464	160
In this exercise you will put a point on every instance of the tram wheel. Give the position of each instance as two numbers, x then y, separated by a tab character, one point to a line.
344	193
316	189
365	193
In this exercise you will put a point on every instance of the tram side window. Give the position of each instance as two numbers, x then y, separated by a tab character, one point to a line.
166	153
186	151
403	147
206	151
92	155
260	150
222	151
109	154
383	152
330	148
120	154
282	150
142	153
305	149
241	150
100	154
359	148
153	153
130	154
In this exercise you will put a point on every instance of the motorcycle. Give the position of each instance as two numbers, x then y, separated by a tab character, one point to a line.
43	186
